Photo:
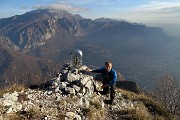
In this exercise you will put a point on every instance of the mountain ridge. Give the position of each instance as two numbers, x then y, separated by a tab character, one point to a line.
25	30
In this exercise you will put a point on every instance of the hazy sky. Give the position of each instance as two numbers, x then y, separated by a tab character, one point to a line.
164	13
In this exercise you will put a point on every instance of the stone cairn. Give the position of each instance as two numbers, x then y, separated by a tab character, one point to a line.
73	81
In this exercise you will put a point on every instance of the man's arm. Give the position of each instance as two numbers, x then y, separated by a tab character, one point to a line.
88	69
95	71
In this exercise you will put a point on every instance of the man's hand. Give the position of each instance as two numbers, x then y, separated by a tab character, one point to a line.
88	70
105	85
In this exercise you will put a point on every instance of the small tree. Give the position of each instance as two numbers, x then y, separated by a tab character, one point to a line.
168	91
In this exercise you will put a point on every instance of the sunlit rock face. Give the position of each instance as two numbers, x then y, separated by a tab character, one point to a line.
36	28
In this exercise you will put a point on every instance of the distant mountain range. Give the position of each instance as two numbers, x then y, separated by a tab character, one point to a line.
137	51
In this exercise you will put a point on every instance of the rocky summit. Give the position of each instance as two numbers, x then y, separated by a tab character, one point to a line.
69	96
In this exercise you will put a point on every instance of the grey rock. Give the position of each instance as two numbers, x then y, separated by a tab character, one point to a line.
128	85
72	77
63	85
70	90
72	116
84	102
57	89
76	88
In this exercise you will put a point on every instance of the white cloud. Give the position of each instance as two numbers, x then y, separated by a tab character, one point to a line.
155	12
63	6
160	7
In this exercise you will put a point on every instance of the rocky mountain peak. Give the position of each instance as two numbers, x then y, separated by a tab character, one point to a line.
37	11
72	89
34	28
103	20
50	12
69	96
54	13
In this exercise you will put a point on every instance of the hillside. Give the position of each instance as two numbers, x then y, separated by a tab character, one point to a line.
20	68
71	96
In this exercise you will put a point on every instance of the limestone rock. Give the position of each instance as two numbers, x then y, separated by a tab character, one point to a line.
72	116
70	90
72	77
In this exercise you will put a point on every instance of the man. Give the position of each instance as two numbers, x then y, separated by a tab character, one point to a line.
109	79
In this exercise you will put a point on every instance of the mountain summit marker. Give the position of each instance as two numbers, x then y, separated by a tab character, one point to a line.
76	58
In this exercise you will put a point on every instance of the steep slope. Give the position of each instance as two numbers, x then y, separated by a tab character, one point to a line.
37	27
23	69
5	59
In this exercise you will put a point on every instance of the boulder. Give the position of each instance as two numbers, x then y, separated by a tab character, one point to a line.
72	77
128	85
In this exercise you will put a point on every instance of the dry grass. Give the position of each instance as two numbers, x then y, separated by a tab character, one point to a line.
154	108
61	116
12	116
12	88
127	94
139	112
96	104
1	108
64	101
32	114
72	99
95	111
95	114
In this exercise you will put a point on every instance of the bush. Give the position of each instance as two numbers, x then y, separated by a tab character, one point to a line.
167	91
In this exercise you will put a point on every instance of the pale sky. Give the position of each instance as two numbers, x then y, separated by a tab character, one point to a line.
163	13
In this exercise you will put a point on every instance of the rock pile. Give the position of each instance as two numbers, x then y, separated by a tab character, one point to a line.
69	96
73	81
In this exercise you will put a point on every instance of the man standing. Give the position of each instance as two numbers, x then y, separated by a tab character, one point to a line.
109	79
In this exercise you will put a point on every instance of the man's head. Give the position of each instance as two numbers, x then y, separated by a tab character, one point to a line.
108	65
